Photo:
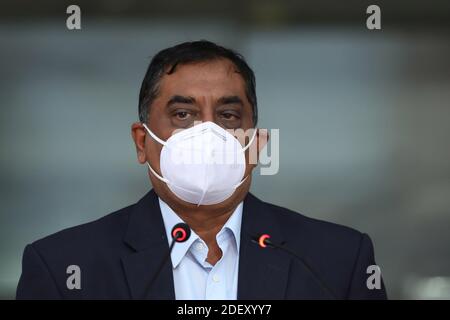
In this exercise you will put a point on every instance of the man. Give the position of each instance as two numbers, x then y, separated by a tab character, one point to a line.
208	91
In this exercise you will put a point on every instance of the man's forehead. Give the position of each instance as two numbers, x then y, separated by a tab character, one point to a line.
209	75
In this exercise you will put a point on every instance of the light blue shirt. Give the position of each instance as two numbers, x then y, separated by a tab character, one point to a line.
195	278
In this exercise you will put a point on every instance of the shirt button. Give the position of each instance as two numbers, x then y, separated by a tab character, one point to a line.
216	278
199	246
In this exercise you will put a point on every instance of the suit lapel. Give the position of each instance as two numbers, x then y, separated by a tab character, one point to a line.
263	272
147	237
140	267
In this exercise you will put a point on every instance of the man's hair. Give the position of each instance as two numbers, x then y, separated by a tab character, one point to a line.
167	60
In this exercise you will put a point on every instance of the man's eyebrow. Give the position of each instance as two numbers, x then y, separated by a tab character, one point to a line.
230	100
181	99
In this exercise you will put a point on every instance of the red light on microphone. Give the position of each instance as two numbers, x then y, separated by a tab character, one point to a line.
262	240
179	234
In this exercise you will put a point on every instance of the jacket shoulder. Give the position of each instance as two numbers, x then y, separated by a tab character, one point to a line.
295	226
330	248
341	255
105	232
90	248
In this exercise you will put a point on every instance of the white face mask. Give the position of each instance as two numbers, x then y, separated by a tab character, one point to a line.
202	165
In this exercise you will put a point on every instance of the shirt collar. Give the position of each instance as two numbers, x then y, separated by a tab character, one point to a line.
170	219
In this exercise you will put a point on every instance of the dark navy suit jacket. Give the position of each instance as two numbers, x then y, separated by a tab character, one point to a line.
119	254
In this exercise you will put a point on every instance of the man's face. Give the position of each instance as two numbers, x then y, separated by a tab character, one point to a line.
206	91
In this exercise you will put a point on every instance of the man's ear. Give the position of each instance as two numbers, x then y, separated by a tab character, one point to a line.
138	134
261	139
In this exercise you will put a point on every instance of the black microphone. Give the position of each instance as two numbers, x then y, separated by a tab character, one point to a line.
180	233
264	241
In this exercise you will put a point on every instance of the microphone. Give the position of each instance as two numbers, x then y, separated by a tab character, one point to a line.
264	242
180	233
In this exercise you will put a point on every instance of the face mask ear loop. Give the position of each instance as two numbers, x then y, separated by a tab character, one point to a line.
243	150
157	175
154	135
239	184
251	140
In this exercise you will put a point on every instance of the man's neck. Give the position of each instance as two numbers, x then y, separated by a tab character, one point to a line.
207	225
207	221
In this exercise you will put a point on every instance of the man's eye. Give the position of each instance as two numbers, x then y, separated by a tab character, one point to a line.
229	116
182	115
